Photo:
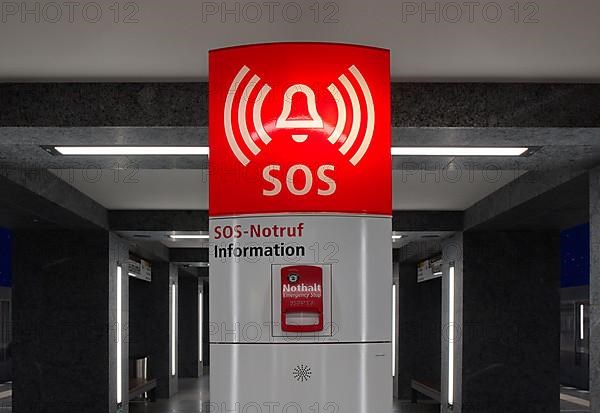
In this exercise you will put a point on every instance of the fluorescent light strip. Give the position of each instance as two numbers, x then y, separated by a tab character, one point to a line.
173	329
451	335
206	236
457	151
581	322
204	150
200	324
394	330
119	336
190	236
131	150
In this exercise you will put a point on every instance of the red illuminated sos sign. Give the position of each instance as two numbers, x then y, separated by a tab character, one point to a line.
299	127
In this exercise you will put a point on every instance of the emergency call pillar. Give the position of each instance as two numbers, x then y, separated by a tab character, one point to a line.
300	227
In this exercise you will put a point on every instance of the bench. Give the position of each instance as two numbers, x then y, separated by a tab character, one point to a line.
426	388
138	386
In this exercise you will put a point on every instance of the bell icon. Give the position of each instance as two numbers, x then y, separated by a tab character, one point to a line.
284	120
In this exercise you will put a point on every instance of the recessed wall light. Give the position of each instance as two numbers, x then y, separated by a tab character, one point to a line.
195	264
117	150
189	236
173	329
581	322
394	300
200	326
457	151
451	329
119	334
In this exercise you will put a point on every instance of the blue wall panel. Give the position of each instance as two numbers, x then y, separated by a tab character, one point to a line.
575	256
5	259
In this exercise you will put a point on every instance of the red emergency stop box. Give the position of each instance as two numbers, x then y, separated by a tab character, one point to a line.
302	298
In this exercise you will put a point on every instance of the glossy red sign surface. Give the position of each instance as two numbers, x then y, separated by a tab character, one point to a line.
302	296
299	127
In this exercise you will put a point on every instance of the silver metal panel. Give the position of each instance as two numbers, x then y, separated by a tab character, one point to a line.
340	378
358	249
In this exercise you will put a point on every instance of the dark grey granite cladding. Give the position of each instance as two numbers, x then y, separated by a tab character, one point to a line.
149	324
419	330
511	310
61	327
594	211
139	342
427	220
104	104
413	104
188	326
494	104
161	220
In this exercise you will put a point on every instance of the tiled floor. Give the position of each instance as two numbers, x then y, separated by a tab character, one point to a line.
194	393
6	397
193	397
574	400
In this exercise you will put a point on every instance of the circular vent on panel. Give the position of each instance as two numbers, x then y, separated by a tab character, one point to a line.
302	372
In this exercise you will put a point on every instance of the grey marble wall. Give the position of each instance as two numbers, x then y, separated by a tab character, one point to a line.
149	324
188	326
419	328
413	104
594	192
406	325
61	321
510	311
138	338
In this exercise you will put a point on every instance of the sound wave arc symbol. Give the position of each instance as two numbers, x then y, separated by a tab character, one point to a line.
347	143
243	127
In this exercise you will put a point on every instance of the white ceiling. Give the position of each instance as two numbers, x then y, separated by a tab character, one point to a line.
188	188
169	40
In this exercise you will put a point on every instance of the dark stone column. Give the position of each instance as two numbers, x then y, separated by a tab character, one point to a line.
419	330
406	328
188	326
61	322
149	325
511	313
594	192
